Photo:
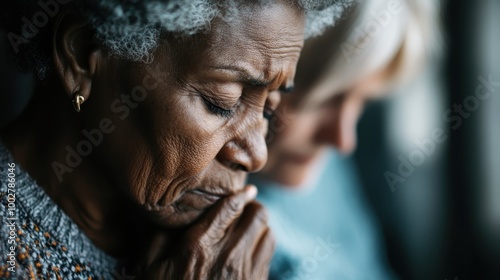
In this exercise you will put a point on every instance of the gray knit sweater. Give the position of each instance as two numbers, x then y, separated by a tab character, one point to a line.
37	239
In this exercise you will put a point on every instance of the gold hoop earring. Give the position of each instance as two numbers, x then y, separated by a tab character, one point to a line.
78	101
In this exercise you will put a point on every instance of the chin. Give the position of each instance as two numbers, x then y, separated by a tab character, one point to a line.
174	218
297	184
183	211
290	179
292	175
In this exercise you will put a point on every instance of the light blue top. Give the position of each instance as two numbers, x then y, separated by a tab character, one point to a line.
325	230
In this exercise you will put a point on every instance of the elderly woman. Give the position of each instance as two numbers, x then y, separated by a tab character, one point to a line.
145	120
323	227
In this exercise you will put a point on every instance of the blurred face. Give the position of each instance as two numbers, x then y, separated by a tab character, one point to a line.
201	127
302	129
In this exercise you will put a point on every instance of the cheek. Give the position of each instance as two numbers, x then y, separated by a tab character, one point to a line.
188	139
181	142
299	131
197	135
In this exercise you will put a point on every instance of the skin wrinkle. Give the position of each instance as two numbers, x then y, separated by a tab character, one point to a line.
159	184
173	189
161	148
172	143
152	183
243	73
237	131
146	169
220	95
267	46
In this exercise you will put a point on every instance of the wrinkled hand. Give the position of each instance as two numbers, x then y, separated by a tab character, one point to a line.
232	241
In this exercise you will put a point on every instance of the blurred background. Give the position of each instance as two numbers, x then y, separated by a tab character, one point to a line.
439	203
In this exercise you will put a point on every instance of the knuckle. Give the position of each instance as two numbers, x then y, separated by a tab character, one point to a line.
235	254
271	239
259	212
192	249
204	237
194	237
269	247
195	249
211	237
233	205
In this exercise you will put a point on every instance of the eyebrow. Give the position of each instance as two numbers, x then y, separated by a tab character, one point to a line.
245	76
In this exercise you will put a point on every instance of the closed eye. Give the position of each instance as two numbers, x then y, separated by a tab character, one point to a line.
286	90
217	110
268	113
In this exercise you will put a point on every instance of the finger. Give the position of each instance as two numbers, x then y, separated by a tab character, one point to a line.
225	212
263	253
249	229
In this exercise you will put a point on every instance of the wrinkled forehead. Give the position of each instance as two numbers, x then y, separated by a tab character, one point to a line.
272	26
264	39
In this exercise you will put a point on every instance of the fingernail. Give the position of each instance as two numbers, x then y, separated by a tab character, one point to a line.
251	191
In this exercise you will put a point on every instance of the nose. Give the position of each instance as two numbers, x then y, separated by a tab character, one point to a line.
246	152
337	128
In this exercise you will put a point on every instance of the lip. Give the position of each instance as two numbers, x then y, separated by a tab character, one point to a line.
188	206
207	194
202	198
198	198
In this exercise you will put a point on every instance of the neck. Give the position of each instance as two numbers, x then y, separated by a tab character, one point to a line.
40	142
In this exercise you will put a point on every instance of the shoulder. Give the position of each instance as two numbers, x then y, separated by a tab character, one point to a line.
34	250
39	239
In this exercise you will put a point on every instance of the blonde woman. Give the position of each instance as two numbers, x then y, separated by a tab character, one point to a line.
323	229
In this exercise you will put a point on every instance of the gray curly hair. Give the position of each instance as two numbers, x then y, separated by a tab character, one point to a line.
131	29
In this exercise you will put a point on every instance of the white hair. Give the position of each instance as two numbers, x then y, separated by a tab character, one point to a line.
131	29
364	43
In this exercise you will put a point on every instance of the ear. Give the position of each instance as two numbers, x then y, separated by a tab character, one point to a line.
76	55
